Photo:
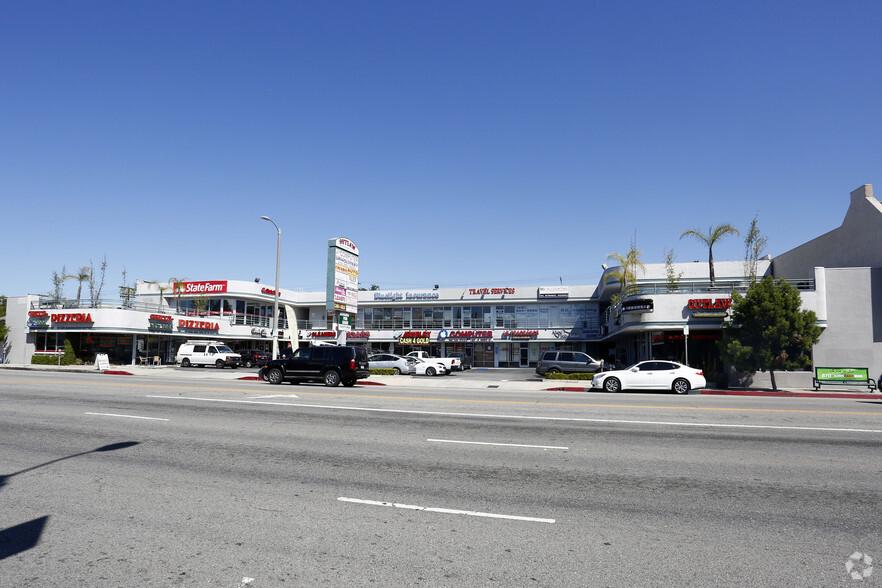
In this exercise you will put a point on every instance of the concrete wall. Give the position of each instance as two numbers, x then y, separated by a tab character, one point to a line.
18	349
853	337
857	243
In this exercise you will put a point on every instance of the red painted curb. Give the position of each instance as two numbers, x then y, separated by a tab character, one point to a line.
760	393
774	394
117	373
360	383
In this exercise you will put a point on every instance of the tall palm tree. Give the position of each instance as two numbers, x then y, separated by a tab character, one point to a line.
84	274
713	235
177	290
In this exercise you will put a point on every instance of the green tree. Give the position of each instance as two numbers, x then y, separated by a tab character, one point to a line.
626	272
713	235
768	330
4	330
754	245
58	285
95	287
673	275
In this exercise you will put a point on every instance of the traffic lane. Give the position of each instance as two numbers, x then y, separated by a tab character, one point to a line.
219	493
816	415
811	415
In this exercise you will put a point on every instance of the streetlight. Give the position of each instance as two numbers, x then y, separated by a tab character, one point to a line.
275	324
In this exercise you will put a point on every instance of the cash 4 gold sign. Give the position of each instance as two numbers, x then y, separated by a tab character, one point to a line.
414	338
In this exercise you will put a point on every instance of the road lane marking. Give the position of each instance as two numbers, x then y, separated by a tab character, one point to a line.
446	510
279	396
523	417
475	401
495	444
126	416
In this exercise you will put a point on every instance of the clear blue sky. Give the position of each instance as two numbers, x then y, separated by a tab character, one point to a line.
479	143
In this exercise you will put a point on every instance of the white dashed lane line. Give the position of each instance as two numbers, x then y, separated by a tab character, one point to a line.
446	510
125	416
496	444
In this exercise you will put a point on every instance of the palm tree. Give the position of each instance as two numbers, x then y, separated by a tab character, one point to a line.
713	235
163	288
84	274
177	290
628	263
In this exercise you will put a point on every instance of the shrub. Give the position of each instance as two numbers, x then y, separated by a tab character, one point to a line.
69	357
579	376
382	372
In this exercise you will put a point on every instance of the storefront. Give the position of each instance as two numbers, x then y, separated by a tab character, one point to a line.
838	275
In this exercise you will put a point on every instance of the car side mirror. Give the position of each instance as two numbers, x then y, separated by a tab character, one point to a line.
635	370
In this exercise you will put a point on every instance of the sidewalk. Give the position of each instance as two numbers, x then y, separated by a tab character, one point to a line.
457	380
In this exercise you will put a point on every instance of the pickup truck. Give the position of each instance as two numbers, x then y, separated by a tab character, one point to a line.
451	363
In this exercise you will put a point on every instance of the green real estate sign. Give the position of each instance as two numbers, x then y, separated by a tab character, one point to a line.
824	374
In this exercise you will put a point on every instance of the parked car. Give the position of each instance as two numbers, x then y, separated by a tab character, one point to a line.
651	375
567	362
203	353
465	361
390	361
330	364
427	367
253	357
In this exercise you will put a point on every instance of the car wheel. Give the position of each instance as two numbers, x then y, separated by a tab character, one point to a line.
681	386
349	383
397	372
185	362
274	376
332	378
612	385
249	363
219	364
430	371
553	371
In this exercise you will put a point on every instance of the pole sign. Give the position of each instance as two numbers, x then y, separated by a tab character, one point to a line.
342	276
342	283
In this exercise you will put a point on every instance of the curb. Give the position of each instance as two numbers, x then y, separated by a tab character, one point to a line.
759	393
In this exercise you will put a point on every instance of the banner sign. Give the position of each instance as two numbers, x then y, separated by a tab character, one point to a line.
825	374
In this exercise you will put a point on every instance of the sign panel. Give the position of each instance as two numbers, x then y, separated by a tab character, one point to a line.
825	374
342	277
216	287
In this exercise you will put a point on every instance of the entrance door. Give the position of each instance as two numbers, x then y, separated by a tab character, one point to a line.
484	355
525	355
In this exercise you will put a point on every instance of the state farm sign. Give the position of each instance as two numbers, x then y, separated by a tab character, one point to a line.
200	287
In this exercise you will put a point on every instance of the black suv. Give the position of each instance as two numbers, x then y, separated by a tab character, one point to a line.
330	364
253	357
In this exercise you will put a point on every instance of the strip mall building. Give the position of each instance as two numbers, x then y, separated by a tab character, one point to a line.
839	275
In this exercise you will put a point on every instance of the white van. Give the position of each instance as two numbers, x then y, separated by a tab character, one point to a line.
204	353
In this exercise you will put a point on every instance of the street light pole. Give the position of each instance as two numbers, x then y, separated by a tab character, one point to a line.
275	324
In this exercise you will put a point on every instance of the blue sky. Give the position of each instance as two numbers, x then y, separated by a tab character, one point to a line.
466	144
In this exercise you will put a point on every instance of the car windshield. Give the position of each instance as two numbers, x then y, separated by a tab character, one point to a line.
224	349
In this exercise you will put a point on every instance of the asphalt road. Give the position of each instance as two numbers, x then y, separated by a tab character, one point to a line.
130	481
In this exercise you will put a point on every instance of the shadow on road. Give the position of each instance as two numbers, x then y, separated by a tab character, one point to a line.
19	538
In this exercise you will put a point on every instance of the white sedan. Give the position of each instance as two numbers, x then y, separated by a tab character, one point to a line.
651	375
429	368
